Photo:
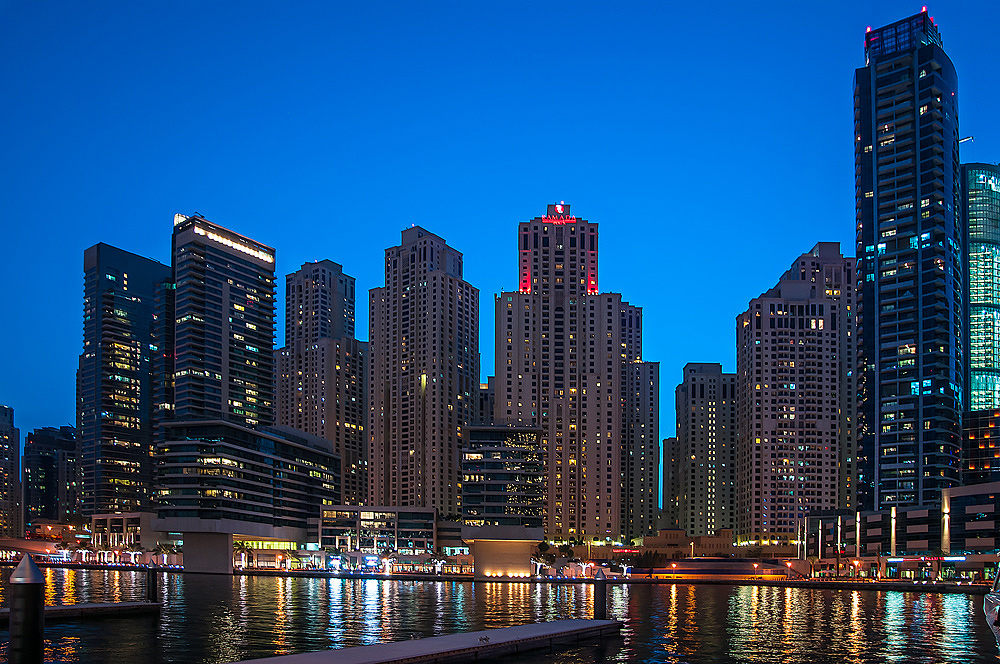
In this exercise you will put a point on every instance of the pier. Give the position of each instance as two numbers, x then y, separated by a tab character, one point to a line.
83	611
467	647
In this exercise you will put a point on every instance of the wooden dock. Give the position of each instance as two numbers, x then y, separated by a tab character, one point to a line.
87	611
467	647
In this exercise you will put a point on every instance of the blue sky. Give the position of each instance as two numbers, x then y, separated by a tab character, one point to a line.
711	142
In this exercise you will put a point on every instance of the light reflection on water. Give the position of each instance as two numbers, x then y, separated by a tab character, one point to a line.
208	619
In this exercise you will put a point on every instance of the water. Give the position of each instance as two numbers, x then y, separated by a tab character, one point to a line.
214	619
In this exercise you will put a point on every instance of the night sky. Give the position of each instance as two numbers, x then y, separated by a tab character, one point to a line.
712	142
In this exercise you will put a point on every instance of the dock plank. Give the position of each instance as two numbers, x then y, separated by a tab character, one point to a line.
83	611
456	647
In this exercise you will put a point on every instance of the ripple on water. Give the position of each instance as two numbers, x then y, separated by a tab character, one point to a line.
212	619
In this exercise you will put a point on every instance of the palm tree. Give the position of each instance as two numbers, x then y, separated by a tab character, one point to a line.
85	549
244	550
165	549
539	560
104	549
134	549
388	557
812	565
438	559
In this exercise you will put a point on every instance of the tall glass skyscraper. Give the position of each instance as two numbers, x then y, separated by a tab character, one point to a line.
114	385
981	205
215	328
911	245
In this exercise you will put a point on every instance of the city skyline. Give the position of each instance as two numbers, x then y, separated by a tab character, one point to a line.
612	179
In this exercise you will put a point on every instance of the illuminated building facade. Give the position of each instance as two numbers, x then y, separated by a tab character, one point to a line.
49	476
10	475
981	206
503	477
795	392
114	384
220	477
706	449
980	449
321	383
215	328
567	361
375	530
424	382
911	245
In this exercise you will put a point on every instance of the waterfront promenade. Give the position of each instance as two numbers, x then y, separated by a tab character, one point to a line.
844	583
217	619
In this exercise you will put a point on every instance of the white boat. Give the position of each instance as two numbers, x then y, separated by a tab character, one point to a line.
992	608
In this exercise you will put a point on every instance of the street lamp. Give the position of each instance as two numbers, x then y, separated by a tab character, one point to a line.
692	549
788	575
755	570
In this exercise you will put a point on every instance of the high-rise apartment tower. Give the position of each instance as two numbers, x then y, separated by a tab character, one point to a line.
10	475
568	360
215	328
706	449
114	383
795	386
424	381
911	246
321	369
49	477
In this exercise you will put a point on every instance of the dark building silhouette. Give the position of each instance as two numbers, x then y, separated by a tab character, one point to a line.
114	385
10	474
910	247
49	475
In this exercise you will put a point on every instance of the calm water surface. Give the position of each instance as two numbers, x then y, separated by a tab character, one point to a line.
211	619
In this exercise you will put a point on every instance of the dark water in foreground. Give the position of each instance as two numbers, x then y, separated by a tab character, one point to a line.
224	619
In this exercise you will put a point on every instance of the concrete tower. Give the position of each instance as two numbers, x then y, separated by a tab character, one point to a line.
795	391
706	449
424	381
569	360
321	369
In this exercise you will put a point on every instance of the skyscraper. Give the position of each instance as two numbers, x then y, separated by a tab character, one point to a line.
321	369
215	327
706	449
51	488
10	475
568	360
670	514
795	398
114	385
981	209
424	349
910	247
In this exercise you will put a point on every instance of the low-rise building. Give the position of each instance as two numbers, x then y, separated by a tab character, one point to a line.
375	530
